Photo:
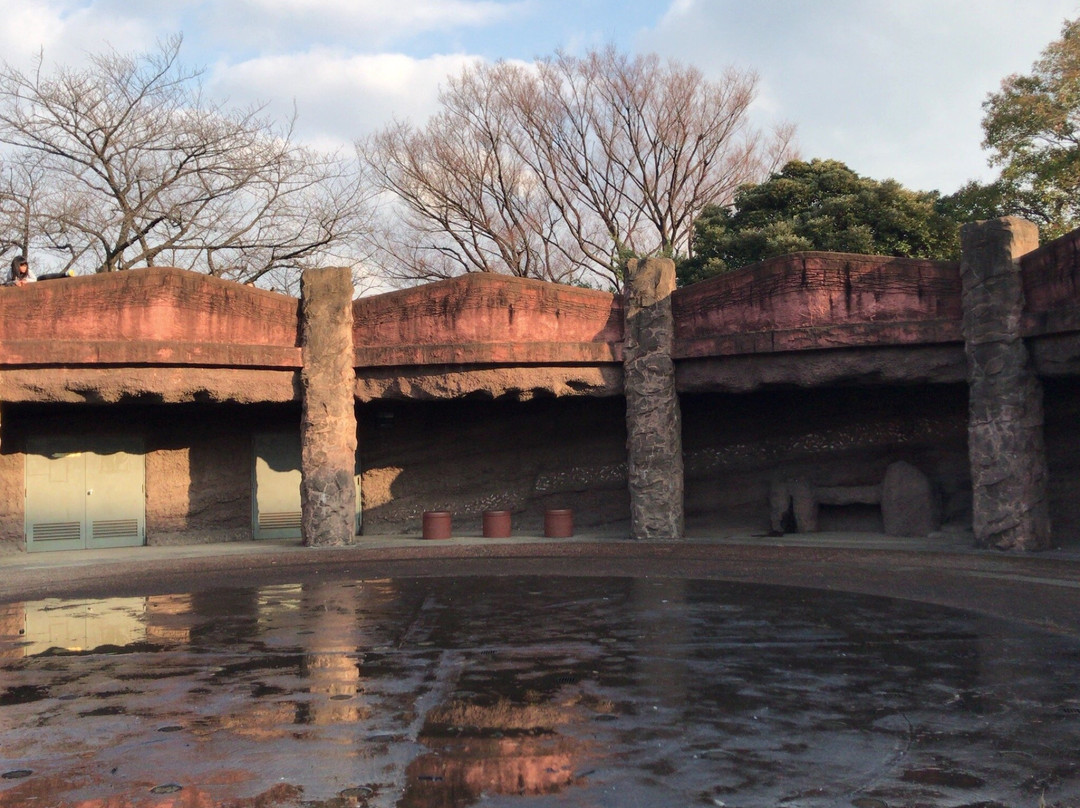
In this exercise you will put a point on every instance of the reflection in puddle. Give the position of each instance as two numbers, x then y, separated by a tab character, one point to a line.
507	691
504	748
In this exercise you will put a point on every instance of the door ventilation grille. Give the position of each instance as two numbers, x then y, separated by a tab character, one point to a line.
115	529
285	520
57	531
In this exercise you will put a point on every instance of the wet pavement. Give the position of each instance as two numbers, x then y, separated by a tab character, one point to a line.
338	689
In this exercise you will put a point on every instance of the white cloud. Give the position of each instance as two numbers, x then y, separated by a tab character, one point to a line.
425	13
295	55
340	97
893	89
282	24
67	31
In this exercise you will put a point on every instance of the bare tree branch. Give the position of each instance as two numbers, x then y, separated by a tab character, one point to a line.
142	170
557	170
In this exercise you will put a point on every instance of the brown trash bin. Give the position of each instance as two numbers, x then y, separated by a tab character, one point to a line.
496	524
558	523
436	525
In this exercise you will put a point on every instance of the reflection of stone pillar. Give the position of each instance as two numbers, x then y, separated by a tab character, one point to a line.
1005	420
328	428
653	416
331	670
663	630
169	618
470	757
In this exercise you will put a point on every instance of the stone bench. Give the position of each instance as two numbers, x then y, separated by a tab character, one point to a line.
906	498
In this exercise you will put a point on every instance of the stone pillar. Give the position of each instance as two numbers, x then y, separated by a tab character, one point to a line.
1005	410
653	416
328	426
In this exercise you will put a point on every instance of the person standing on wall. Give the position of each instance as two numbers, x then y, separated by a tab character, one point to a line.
20	272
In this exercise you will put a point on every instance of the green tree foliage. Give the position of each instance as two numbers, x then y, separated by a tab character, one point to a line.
975	201
1032	126
819	205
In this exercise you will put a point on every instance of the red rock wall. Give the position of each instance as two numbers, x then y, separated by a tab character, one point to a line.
807	300
818	300
482	318
513	337
1051	281
154	315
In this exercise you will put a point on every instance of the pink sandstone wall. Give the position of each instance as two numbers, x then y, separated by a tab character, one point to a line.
507	334
169	317
819	300
484	318
1051	278
157	315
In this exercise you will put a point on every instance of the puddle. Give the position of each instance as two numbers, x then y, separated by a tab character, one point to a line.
453	692
943	777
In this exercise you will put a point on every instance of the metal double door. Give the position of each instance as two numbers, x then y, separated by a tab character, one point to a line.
85	492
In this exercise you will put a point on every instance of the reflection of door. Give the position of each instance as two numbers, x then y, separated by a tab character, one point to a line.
84	493
277	486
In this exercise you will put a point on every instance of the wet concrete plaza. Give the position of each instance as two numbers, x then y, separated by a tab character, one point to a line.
531	690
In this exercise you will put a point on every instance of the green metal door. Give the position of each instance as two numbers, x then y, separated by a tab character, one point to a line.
55	494
277	486
84	493
114	494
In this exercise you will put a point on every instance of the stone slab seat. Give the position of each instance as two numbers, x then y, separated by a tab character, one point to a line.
906	497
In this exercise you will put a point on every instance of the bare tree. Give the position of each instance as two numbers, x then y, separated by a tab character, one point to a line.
144	171
560	169
19	189
469	202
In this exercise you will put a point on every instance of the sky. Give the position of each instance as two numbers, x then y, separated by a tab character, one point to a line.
893	88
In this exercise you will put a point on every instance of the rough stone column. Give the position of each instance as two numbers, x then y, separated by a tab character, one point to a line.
653	416
1005	410
328	427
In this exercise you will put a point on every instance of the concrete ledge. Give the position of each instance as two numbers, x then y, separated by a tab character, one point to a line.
38	353
1038	591
489	353
910	333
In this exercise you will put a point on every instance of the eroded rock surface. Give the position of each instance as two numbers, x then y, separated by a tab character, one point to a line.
328	425
1005	428
653	417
